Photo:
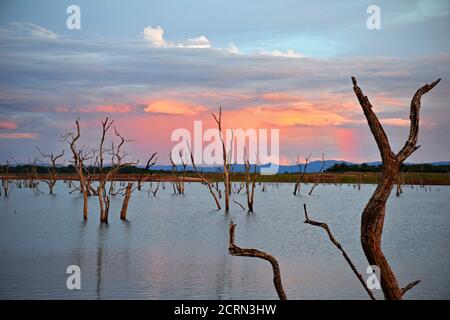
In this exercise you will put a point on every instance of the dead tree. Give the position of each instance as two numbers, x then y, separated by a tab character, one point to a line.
372	219
301	173
341	249
79	157
234	250
32	176
317	176
154	192
250	183
104	200
5	180
52	170
144	173
226	161
126	199
178	184
105	174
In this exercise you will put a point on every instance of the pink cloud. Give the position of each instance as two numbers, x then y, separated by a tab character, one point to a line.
107	109
19	135
7	124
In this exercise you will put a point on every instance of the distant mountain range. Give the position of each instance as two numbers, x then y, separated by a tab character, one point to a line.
313	166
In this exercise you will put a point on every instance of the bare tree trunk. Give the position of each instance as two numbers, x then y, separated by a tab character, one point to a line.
250	184
372	219
78	158
126	199
103	203
226	164
236	251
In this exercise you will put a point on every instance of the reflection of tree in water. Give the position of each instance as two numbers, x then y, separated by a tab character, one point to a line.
102	237
102	231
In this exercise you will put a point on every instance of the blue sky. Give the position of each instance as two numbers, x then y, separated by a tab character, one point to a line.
314	28
268	57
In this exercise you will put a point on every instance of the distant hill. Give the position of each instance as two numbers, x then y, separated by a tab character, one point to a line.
313	166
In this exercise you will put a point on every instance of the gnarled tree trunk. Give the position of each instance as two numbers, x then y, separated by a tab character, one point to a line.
372	219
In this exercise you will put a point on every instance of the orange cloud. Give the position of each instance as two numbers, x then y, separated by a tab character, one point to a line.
173	107
396	122
299	114
279	96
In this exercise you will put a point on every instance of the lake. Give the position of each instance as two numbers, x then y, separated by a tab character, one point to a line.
175	246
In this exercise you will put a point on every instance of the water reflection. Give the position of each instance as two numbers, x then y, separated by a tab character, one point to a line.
175	247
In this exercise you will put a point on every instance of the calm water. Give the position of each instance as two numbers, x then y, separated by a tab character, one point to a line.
175	247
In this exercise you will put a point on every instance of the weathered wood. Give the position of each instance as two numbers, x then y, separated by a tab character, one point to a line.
234	250
126	199
373	215
226	162
250	183
79	156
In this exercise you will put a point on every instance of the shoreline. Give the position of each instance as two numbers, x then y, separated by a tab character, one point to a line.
410	178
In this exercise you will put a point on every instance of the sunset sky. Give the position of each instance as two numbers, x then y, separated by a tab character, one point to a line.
154	66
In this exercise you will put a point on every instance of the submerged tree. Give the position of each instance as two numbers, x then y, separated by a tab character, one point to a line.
51	181
372	220
250	183
178	183
144	173
317	176
105	173
80	155
5	179
126	200
301	173
226	160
